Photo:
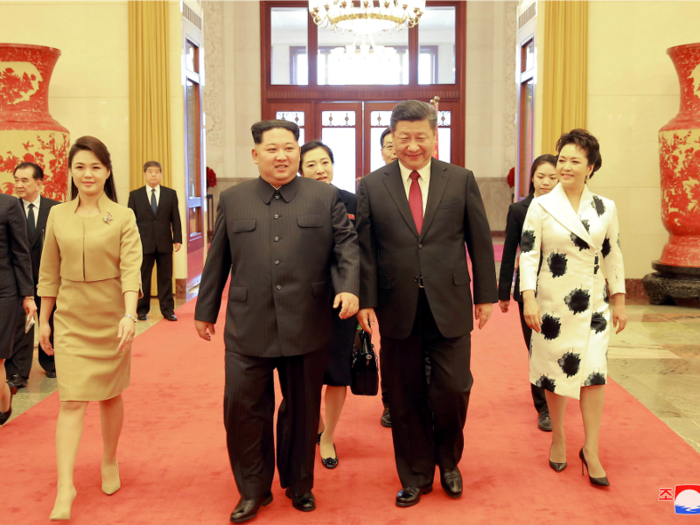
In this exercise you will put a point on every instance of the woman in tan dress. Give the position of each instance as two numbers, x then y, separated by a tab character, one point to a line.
90	269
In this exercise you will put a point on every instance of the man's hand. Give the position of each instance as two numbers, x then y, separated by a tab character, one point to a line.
504	306
366	319
177	246
483	312
205	329
350	303
29	306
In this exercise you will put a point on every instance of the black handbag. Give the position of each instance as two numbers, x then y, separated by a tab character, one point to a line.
364	368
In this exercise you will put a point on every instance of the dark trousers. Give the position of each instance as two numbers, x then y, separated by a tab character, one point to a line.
249	406
164	270
21	361
385	393
538	396
427	418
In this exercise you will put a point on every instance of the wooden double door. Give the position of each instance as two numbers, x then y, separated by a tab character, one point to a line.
352	130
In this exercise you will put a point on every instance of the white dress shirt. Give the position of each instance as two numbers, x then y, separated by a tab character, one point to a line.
26	204
149	192
423	181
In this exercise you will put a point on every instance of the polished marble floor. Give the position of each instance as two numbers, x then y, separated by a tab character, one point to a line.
656	358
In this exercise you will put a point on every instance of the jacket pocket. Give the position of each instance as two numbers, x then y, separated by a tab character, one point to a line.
246	225
238	294
450	204
319	289
384	282
310	221
461	277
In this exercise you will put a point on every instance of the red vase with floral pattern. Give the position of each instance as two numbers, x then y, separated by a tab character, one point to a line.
27	130
679	152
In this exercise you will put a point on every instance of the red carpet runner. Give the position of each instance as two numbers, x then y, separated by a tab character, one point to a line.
175	469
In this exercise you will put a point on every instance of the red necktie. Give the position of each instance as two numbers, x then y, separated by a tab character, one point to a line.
415	201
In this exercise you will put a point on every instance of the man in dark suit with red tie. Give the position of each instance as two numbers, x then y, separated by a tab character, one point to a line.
158	219
29	182
414	218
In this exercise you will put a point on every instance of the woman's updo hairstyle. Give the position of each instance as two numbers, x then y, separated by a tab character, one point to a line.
587	143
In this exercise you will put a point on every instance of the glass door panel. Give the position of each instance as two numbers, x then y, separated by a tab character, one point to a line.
341	130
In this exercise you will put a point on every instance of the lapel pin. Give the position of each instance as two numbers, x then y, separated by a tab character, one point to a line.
108	218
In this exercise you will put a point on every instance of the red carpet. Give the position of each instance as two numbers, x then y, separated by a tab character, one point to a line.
175	468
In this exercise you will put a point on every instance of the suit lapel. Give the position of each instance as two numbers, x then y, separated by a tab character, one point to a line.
44	209
395	187
146	198
559	207
436	189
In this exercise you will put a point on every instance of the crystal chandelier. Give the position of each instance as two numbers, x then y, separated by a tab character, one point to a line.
368	17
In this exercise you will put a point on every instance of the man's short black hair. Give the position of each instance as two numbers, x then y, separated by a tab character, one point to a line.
152	164
266	125
384	134
38	172
413	111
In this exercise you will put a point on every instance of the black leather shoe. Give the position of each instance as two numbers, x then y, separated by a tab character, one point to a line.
304	502
142	317
386	418
4	416
170	317
51	374
451	481
543	422
600	482
409	496
330	463
17	381
556	467
248	508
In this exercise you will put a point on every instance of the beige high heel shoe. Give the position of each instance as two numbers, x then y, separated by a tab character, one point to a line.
111	488
62	512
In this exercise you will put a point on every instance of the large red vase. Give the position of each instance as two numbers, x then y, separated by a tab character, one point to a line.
27	130
679	155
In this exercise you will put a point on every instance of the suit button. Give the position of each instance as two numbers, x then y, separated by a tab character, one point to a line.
277	262
277	239
420	245
277	216
279	287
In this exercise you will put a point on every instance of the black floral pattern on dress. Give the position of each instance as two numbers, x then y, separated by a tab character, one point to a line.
618	241
598	323
570	363
579	242
551	327
606	297
596	378
546	383
586	225
605	250
557	264
598	205
527	241
578	300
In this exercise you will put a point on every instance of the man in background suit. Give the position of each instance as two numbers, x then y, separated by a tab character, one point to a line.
29	182
158	219
414	217
286	242
16	291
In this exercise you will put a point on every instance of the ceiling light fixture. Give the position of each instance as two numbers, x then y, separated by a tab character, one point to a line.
366	17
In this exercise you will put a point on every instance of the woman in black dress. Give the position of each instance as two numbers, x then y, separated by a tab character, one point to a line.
543	179
317	163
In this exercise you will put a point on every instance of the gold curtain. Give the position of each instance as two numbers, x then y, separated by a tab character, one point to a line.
149	89
565	78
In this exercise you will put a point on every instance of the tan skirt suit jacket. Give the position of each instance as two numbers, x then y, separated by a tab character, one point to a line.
87	264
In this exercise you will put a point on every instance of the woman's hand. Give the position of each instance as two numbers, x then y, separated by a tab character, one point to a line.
127	329
504	306
531	312
44	338
619	314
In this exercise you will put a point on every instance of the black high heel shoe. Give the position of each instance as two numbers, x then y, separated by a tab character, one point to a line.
601	482
556	467
318	441
4	416
330	463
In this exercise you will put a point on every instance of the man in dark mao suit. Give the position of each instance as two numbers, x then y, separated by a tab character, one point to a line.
286	242
414	217
158	219
29	182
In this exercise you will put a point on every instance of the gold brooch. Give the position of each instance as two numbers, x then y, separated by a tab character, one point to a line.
108	218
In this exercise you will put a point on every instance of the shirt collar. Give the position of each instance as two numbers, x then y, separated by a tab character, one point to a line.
287	191
149	189
35	202
424	172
